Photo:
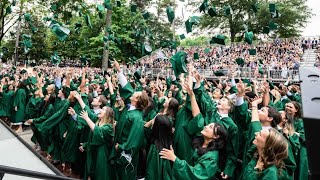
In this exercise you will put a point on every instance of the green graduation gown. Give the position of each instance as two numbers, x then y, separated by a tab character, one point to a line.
98	150
157	168
129	135
19	101
43	141
201	168
33	107
54	128
186	128
6	103
250	173
302	170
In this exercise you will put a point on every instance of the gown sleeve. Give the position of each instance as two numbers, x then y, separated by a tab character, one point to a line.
136	135
102	134
195	125
46	115
205	168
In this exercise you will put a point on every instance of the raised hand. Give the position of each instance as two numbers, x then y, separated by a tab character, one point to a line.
241	88
71	111
255	101
84	115
188	89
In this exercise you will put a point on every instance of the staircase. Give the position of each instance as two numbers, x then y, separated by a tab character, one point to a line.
309	58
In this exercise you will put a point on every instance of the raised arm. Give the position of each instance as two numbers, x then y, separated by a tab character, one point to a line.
110	85
83	80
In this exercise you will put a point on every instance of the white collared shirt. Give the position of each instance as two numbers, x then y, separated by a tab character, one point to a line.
131	108
266	127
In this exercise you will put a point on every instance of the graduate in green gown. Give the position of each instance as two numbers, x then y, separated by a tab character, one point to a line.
293	113
159	137
99	145
186	128
6	103
47	111
272	149
129	133
19	104
55	126
208	153
33	105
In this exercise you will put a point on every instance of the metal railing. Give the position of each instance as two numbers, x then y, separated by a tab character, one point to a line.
244	73
27	173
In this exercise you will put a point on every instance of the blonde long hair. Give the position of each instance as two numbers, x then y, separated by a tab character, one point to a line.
107	118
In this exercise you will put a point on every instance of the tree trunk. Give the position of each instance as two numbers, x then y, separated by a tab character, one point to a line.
232	31
174	30
105	57
18	36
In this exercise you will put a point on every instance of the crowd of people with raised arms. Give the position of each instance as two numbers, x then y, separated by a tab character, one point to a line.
110	125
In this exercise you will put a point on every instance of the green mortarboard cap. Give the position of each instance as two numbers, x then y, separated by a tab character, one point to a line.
252	52
173	44
27	17
118	3
53	7
260	69
137	74
204	6
5	49
218	73
107	4
194	20
78	25
88	21
255	7
170	14
8	10
266	30
212	12
100	8
249	37
33	29
26	42
260	61
273	25
83	60
276	14
272	8
146	15
240	61
60	31
105	38
182	36
196	55
271	85
33	80
247	81
227	10
207	50
133	8
219	39
188	26
33	64
23	71
47	19
178	62
55	58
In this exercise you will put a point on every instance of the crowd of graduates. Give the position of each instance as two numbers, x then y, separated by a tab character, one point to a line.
109	125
